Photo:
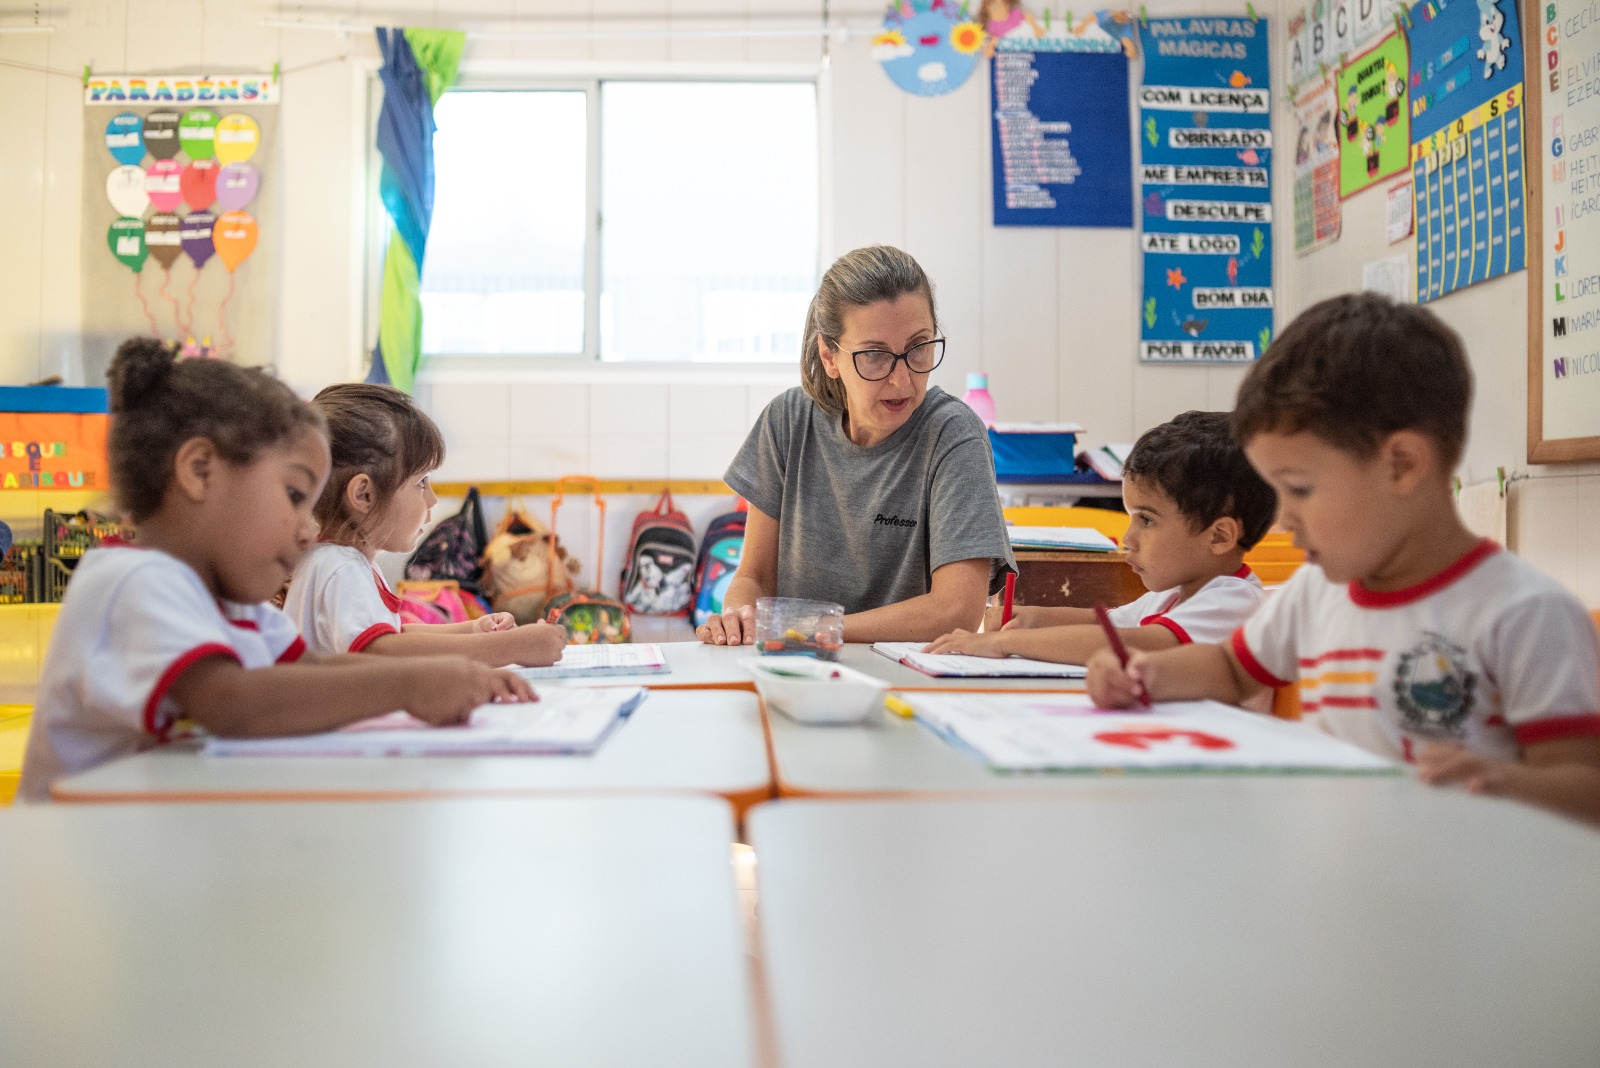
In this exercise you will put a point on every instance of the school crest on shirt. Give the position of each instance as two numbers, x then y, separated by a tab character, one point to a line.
1433	688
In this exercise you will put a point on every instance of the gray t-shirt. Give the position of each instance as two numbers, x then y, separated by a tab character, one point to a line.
867	527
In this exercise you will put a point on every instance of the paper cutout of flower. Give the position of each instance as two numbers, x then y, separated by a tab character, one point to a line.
967	37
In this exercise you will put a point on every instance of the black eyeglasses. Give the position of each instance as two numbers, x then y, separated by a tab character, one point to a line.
874	365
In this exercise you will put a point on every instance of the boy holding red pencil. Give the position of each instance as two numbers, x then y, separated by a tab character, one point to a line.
1196	506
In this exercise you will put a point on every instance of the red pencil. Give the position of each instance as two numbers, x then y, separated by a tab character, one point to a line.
1011	590
1117	647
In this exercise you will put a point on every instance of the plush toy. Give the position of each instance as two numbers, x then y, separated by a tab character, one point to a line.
516	569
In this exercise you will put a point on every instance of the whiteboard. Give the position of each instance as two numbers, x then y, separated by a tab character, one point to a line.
1563	155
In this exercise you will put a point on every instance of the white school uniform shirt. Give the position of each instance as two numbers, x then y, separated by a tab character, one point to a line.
1214	612
1490	654
132	622
339	601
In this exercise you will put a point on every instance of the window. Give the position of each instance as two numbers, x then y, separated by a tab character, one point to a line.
701	245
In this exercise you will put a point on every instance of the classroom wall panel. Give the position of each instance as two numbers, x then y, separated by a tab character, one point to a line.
22	186
1021	349
1095	272
635	15
945	236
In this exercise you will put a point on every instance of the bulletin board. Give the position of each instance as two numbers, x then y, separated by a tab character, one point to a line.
1563	156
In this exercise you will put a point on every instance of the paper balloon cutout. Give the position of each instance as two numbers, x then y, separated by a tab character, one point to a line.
197	133
195	233
125	138
198	184
125	237
161	184
237	138
125	190
161	237
161	134
234	238
236	185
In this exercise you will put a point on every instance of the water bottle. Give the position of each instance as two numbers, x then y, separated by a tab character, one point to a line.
977	397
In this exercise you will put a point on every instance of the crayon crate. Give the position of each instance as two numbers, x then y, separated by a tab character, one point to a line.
68	535
19	572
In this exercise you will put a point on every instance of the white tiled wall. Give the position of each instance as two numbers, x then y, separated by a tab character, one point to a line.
611	431
1049	314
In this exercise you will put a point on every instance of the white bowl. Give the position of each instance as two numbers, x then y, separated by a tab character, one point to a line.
808	690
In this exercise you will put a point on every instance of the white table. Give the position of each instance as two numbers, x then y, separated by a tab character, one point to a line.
705	741
564	931
1386	927
888	756
695	665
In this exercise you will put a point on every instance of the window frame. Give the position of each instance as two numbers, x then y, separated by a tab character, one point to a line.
586	76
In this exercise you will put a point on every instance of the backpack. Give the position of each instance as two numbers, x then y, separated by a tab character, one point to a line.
453	548
657	571
719	559
588	616
524	566
436	602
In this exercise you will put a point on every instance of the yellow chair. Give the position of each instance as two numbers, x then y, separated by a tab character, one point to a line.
14	720
1275	557
1112	524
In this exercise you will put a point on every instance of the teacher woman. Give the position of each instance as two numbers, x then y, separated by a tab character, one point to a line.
866	486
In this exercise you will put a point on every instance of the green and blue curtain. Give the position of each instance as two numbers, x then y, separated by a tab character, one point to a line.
418	66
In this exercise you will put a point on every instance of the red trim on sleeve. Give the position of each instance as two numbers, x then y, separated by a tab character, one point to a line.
170	676
1248	661
390	601
296	650
1172	625
1366	598
372	634
1555	728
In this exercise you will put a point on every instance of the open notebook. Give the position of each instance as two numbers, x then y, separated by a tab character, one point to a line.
585	661
953	666
1065	732
563	720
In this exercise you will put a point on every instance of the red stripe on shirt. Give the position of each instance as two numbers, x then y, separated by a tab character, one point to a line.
1366	598
1342	654
1248	661
1163	621
1556	728
296	650
1243	572
390	601
246	624
372	634
1348	702
170	676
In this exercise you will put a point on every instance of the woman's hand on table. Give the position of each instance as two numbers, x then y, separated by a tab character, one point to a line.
737	626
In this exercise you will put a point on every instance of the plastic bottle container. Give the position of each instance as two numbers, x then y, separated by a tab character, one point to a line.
977	397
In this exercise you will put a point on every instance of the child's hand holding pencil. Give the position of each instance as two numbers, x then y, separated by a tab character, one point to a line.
1116	680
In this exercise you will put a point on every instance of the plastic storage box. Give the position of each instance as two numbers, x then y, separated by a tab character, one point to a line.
1034	452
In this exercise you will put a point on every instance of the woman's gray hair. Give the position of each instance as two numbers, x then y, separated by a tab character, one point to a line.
856	279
